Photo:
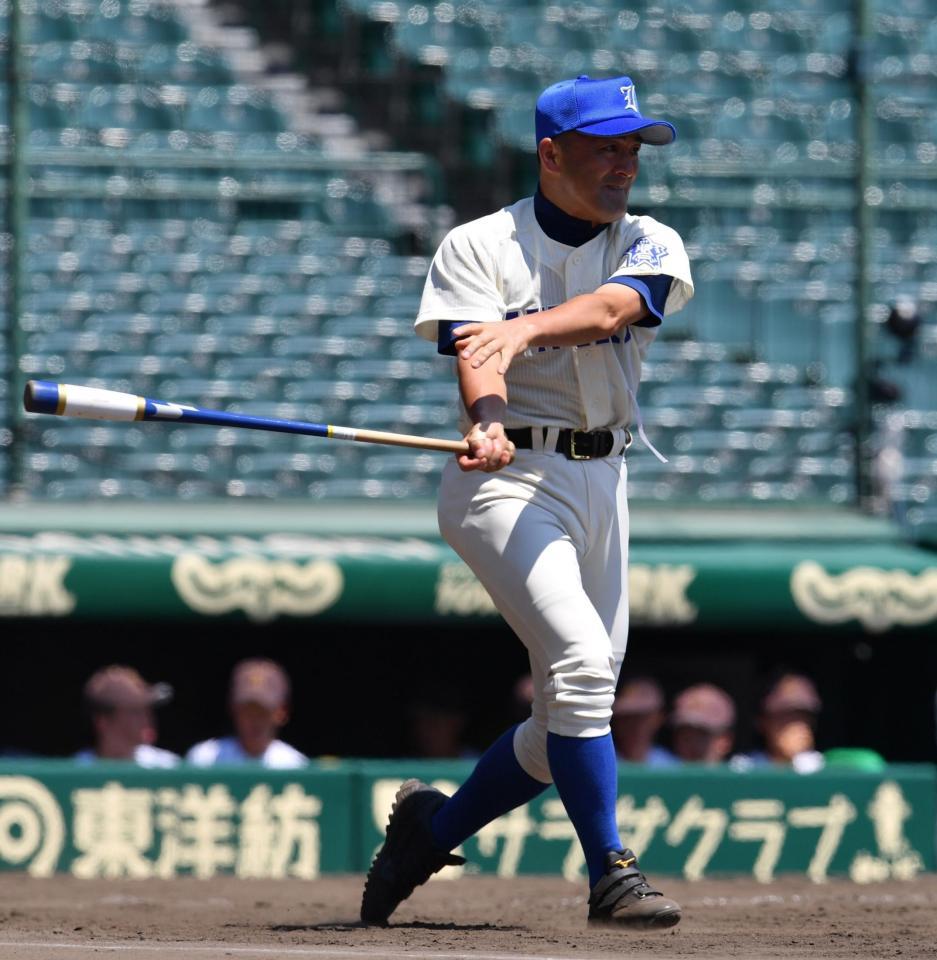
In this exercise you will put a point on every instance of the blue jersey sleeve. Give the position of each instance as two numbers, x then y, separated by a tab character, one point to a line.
654	289
445	340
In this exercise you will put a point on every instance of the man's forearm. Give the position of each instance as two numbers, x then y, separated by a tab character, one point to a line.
485	397
591	316
588	317
484	393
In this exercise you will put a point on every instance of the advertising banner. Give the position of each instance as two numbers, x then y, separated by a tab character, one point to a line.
116	820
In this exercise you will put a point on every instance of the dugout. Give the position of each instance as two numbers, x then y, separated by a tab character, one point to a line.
371	613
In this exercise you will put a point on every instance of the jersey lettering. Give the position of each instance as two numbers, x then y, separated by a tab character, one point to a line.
614	338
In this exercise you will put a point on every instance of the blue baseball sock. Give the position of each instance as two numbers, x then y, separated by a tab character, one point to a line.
497	785
585	773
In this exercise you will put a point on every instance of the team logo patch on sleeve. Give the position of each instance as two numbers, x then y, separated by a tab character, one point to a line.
645	253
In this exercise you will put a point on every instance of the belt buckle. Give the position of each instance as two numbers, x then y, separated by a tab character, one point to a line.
573	455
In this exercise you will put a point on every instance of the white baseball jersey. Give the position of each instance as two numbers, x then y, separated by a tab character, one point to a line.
504	265
277	756
144	755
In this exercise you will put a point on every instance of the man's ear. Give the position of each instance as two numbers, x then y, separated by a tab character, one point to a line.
548	151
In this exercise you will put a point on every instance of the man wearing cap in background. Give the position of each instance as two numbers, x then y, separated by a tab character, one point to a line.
259	703
438	720
120	705
637	716
703	724
549	306
787	724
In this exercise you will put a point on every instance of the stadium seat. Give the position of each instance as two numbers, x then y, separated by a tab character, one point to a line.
46	23
118	115
185	63
120	22
75	62
429	39
233	109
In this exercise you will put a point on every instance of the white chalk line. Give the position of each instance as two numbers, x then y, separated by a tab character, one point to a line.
224	950
807	899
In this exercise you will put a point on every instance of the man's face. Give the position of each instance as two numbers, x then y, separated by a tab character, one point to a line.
437	732
594	175
634	733
256	725
697	745
126	726
787	733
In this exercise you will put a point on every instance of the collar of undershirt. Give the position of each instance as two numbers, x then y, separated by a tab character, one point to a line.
558	225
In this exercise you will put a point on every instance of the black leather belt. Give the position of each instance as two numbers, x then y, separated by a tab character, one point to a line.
573	444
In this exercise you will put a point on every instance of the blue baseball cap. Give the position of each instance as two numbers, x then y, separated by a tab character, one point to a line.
598	108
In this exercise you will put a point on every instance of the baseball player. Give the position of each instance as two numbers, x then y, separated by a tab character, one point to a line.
549	306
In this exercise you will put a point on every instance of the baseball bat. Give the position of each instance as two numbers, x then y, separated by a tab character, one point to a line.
92	403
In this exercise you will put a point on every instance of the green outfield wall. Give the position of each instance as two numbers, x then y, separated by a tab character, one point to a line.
419	579
353	562
116	820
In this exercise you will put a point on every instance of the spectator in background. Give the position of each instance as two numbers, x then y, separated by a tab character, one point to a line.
438	720
703	724
259	704
787	723
120	705
637	716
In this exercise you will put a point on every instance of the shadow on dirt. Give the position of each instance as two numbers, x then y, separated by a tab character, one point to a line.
340	926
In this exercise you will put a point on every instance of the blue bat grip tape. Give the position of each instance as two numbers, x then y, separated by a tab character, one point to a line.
41	396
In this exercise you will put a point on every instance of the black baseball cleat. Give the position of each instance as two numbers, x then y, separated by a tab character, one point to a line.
623	896
409	856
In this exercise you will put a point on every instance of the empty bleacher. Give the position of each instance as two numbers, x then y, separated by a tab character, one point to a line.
761	184
194	237
155	262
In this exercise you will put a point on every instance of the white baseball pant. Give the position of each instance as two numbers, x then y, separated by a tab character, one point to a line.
548	539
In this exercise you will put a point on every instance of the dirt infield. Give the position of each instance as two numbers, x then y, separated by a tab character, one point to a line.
477	917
